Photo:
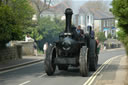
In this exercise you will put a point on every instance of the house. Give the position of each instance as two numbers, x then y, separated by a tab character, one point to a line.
56	11
104	22
100	20
84	18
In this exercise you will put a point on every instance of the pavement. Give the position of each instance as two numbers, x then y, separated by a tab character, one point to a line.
26	60
116	73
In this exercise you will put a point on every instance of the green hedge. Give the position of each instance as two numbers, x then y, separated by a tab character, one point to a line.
123	37
120	11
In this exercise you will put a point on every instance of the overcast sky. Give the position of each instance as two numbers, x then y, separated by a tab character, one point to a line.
77	3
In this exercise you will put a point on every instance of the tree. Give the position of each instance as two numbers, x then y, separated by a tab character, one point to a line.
120	10
123	37
40	6
0	2
47	31
15	17
7	24
101	36
109	35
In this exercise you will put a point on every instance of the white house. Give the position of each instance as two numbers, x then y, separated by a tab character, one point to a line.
100	20
84	19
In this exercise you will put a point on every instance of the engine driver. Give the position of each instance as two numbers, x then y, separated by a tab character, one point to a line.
80	31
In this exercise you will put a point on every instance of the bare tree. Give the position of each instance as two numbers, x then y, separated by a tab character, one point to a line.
6	2
40	6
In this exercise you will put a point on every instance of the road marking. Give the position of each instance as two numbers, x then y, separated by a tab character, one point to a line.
94	74
25	83
42	75
92	78
19	67
98	73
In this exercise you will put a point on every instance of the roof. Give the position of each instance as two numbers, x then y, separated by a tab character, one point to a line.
98	14
60	8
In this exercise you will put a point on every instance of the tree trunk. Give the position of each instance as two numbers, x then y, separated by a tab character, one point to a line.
0	2
6	2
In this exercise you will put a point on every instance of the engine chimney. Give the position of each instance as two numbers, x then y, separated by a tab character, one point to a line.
68	14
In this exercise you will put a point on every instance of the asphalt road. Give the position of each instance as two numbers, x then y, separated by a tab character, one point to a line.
35	75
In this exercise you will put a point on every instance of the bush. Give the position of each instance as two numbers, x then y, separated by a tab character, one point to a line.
9	28
120	11
14	18
109	35
123	37
47	31
101	36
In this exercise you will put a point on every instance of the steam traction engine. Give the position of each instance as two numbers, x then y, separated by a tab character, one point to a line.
71	50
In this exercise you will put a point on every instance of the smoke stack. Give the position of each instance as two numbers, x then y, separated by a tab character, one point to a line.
68	14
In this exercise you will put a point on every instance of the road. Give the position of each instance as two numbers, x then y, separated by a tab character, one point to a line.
35	75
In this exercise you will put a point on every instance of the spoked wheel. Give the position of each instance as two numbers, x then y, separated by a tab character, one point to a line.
84	65
63	67
49	60
93	58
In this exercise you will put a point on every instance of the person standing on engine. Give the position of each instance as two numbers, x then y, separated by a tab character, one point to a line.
79	31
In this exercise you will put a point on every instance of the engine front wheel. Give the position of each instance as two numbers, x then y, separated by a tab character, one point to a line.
49	61
84	64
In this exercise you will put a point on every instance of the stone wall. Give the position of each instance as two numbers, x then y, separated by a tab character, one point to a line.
11	53
27	47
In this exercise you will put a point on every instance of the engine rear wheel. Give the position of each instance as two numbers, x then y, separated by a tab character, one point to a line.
93	58
83	61
49	61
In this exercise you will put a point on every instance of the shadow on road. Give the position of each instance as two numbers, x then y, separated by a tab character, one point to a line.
71	72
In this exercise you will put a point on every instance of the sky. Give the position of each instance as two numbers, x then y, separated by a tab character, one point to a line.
78	3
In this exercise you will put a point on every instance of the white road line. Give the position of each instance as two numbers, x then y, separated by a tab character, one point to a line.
19	67
42	75
97	74
25	83
94	74
92	78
